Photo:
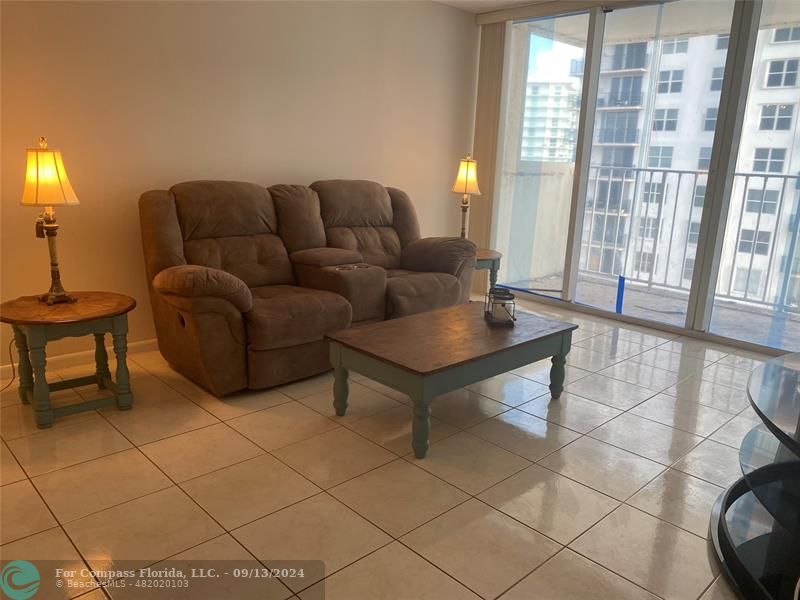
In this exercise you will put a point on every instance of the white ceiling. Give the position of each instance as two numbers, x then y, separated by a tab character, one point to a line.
482	6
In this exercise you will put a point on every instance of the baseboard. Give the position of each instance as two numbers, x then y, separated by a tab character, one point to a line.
74	359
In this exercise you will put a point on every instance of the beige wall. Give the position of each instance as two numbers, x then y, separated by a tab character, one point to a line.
146	94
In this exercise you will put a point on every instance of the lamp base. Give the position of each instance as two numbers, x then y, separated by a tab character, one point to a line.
57	297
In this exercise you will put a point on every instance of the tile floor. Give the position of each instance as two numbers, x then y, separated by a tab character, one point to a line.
603	494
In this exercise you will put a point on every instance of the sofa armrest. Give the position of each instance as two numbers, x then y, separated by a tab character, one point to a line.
325	257
439	255
364	286
194	281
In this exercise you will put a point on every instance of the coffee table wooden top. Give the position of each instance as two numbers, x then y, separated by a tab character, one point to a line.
437	340
29	310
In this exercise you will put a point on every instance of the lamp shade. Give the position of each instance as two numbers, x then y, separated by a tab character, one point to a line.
467	179
46	181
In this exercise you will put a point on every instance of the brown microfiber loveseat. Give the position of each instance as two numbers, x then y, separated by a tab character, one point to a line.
245	281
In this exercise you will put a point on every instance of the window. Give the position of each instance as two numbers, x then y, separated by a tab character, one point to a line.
617	157
750	243
665	119
694	233
660	157
769	160
649	228
748	285
782	73
763	201
717	73
645	262
776	117
676	46
688	268
629	56
619	127
699	196
786	34
609	195
704	159
625	91
653	193
710	119
671	82
722	42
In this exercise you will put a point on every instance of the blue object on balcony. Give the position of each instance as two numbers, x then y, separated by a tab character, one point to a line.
620	293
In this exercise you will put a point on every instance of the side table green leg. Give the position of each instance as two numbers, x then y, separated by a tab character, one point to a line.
25	370
341	389
557	374
421	425
119	334
493	274
101	361
41	391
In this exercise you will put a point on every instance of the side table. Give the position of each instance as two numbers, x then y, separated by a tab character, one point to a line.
35	323
489	259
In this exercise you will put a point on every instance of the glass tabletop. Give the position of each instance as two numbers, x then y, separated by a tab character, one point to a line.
774	392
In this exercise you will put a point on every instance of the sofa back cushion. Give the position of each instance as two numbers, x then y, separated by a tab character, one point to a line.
232	226
357	215
299	219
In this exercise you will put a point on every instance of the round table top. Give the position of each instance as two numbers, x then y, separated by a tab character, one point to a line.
774	392
487	254
29	310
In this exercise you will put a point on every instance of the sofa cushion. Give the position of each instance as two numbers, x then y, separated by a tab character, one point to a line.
255	259
408	293
286	315
353	203
299	220
379	246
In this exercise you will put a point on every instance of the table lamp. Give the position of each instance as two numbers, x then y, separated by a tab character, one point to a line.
466	184
47	185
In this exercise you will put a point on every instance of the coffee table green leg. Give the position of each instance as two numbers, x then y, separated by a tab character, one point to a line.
41	390
340	390
557	374
25	370
119	335
421	425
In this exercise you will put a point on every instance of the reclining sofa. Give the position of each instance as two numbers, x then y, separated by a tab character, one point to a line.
245	281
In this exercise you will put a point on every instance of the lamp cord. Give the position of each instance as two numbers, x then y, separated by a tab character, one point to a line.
13	370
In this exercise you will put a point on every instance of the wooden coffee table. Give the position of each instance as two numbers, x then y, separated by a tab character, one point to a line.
432	353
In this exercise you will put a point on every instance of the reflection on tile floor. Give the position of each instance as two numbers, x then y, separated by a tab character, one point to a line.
605	493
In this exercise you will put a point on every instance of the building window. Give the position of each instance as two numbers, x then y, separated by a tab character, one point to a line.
782	73
704	159
763	201
717	73
752	243
769	160
743	284
660	157
722	42
619	127
645	262
786	34
694	233
649	228
710	119
699	196
653	193
665	119
676	46
688	268
625	91
776	117
671	82
629	56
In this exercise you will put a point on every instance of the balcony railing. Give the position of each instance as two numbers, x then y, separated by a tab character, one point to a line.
620	100
617	135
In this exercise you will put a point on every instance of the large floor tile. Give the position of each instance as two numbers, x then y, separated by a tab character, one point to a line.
319	528
463	408
569	576
682	414
398	496
605	468
469	462
476	534
334	457
719	590
524	434
679	498
98	484
560	508
589	360
142	531
18	420
677	362
200	451
135	370
713	462
248	490
613	346
572	411
540	372
726	375
22	512
307	387
392	573
361	402
715	395
381	388
509	389
733	431
392	429
741	359
282	425
612	392
656	555
10	471
653	378
240	403
67	444
646	438
696	348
